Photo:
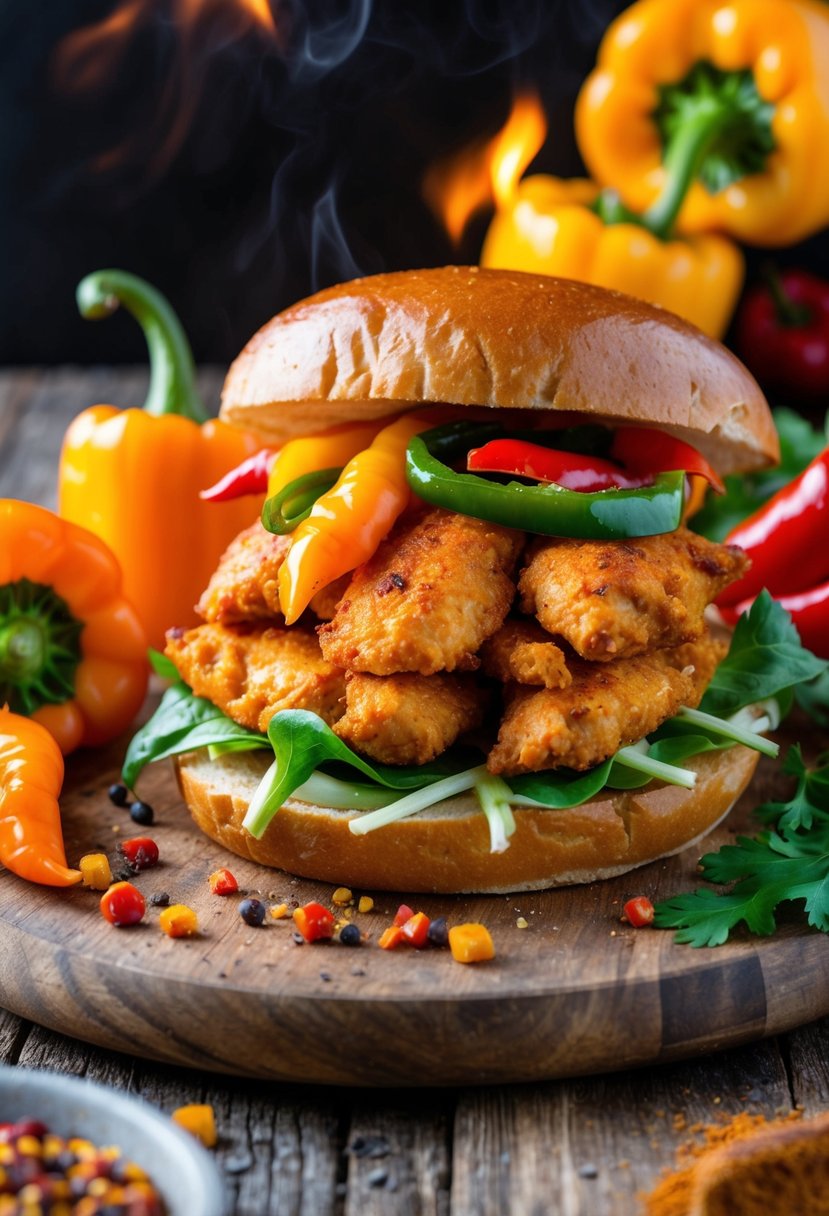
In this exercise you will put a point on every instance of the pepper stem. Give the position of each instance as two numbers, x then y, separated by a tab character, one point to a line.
39	647
683	160
789	313
172	371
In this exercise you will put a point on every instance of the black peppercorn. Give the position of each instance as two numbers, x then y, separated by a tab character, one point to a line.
118	794
141	812
350	935
438	934
252	912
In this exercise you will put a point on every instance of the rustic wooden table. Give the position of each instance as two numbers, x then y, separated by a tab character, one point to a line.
577	1147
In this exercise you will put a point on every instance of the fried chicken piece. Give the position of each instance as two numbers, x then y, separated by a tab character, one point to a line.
523	652
251	672
611	599
408	718
244	585
324	603
607	706
436	588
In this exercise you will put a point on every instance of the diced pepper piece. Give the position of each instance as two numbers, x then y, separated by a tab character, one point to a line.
141	852
96	871
314	921
390	938
638	911
222	882
403	913
199	1120
366	903
123	904
416	930
179	921
471	943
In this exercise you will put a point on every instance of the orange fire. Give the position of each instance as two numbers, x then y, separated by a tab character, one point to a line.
487	171
88	59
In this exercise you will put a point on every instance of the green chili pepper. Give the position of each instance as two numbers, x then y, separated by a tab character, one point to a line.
549	510
286	510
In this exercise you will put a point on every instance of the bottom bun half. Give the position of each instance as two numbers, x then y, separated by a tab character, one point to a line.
445	850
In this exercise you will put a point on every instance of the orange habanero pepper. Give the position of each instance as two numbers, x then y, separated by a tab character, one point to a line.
133	476
31	776
72	650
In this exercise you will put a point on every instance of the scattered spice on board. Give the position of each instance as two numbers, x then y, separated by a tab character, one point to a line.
676	1194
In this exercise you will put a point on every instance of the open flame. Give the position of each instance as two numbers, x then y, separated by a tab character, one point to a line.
487	171
88	60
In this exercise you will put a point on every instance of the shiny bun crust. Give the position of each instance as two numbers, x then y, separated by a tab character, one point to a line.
496	338
445	850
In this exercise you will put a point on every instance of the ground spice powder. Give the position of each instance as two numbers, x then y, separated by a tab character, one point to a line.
672	1194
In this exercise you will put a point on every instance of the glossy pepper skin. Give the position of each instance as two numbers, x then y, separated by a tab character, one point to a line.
767	98
550	228
72	650
133	476
783	334
31	777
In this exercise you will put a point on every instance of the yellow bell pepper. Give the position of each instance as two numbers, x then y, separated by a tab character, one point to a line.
133	476
347	523
329	449
550	228
714	114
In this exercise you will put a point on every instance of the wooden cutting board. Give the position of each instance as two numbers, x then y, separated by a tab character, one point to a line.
576	991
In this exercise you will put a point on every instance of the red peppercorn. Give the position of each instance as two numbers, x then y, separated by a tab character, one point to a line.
314	921
222	882
638	912
403	913
141	852
123	904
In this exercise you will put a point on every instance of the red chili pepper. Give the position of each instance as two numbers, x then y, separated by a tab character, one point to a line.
314	921
141	852
123	904
222	882
644	449
573	470
786	538
638	911
783	333
415	930
249	477
403	913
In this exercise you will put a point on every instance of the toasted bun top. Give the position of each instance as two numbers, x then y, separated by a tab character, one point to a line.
496	338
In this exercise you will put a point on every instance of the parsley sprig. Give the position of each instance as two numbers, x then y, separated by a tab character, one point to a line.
788	862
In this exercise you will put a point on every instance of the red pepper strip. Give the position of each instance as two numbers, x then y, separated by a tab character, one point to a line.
809	612
573	470
786	538
643	449
249	477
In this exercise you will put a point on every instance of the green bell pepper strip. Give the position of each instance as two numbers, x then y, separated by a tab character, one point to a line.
549	510
172	370
285	511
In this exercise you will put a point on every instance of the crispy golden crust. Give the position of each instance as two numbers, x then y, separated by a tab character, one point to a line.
324	603
607	706
522	652
622	598
244	585
408	718
472	337
446	849
432	593
252	672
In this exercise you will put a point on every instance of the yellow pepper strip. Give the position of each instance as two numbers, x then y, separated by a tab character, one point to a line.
72	650
550	229
764	182
330	449
31	777
347	524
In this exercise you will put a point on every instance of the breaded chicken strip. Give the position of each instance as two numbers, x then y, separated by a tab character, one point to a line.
244	585
408	718
607	706
610	599
251	672
521	651
436	588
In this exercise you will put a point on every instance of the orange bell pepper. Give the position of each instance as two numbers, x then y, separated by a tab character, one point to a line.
133	476
717	114
73	654
31	777
347	523
551	228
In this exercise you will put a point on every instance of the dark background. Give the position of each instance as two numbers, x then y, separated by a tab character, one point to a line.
239	170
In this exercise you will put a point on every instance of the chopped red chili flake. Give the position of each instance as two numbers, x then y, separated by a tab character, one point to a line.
638	912
416	930
403	913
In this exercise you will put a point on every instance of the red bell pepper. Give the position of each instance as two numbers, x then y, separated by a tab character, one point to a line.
783	334
249	477
644	449
786	538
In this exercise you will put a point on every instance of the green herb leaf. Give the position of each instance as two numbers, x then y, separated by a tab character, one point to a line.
162	666
765	660
561	788
182	723
813	698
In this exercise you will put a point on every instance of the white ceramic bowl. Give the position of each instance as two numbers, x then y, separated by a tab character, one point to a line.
180	1168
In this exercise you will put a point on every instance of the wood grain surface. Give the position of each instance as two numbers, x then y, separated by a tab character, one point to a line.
575	1147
